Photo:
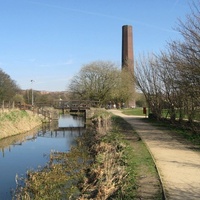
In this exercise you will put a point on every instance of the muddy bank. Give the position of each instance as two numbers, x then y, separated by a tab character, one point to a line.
17	121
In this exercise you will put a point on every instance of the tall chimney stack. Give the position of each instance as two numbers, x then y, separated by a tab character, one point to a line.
127	58
127	48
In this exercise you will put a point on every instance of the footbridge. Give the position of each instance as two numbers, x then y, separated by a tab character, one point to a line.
75	105
72	106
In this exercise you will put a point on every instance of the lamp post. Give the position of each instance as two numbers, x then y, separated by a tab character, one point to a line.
32	92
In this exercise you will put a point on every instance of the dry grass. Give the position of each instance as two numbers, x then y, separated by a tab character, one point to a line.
75	175
17	121
105	177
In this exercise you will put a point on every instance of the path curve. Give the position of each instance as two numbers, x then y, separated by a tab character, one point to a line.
177	162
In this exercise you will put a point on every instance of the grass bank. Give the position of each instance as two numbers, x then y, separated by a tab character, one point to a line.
17	121
143	181
104	165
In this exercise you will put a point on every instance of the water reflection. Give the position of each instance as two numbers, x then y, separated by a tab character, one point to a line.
72	121
11	142
28	151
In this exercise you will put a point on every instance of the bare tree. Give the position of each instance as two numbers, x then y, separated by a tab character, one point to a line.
147	76
185	55
171	93
171	79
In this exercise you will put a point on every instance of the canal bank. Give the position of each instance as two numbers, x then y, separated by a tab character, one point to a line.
31	151
104	166
13	122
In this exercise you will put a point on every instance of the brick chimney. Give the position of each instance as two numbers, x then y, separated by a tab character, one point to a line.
127	48
127	57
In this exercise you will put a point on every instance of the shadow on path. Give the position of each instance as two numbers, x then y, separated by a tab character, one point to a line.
177	161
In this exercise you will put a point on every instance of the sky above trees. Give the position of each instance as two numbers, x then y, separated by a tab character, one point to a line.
49	41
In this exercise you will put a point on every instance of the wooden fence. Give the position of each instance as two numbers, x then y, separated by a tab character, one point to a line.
8	105
47	113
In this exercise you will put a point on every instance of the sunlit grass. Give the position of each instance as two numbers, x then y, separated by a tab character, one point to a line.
13	115
134	111
138	160
16	121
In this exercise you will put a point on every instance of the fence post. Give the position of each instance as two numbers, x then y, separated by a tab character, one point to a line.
3	105
13	105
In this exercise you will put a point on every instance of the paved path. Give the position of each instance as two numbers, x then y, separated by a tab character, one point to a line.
177	162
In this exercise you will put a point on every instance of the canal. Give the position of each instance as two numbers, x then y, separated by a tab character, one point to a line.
29	151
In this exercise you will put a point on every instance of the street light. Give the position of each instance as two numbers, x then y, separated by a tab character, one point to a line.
32	92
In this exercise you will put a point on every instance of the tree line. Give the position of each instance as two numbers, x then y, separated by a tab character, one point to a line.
8	87
10	92
170	80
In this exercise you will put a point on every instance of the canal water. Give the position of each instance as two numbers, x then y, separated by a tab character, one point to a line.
30	151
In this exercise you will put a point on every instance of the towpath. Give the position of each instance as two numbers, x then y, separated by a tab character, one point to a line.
177	161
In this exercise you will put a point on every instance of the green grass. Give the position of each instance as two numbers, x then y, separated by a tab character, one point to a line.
138	159
13	115
133	111
165	113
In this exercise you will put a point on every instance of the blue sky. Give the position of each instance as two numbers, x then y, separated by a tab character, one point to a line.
48	41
